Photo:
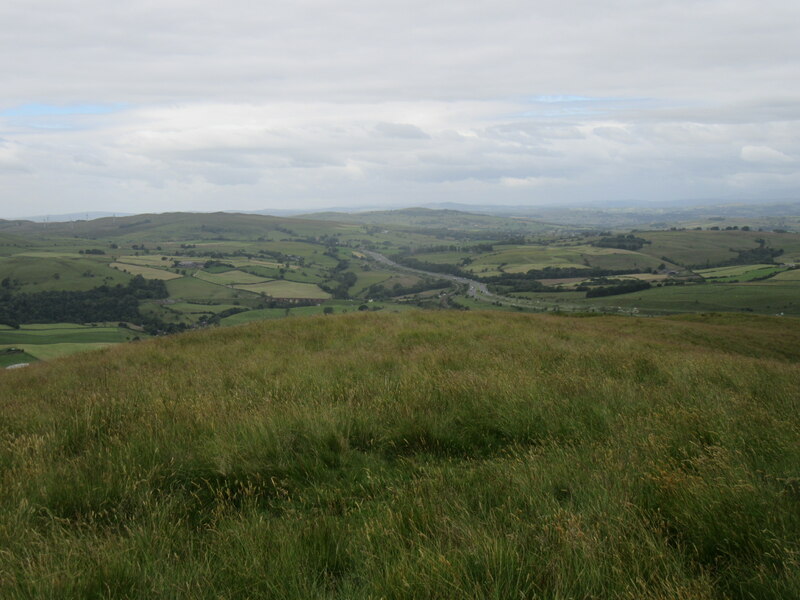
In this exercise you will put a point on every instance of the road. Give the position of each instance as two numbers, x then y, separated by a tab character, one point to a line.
475	289
479	291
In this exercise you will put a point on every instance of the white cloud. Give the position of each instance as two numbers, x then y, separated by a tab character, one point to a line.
527	182
764	154
191	105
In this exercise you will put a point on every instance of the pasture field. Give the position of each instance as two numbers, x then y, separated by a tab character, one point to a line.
403	279
696	247
49	341
306	275
416	455
444	258
616	259
790	275
155	310
53	272
568	296
733	271
187	313
229	277
146	272
765	297
260	263
521	259
269	313
279	313
286	289
49	254
654	277
191	288
65	333
368	278
149	260
338	306
11	244
701	247
7	360
192	308
741	274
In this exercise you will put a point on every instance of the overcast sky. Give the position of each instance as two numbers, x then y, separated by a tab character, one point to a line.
200	105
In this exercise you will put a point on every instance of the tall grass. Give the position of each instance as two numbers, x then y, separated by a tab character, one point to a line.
420	455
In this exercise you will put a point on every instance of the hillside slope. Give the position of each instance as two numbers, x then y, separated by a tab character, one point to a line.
415	455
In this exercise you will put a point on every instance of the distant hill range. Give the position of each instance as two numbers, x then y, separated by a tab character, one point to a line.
541	218
78	216
173	226
447	216
428	218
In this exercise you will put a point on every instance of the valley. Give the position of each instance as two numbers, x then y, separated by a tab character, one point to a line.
224	269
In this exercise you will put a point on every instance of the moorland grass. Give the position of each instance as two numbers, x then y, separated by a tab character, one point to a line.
414	455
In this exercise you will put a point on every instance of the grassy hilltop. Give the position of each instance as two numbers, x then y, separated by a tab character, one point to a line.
412	455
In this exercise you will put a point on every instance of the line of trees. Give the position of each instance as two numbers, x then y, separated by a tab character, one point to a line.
422	265
104	303
554	273
622	242
380	292
625	287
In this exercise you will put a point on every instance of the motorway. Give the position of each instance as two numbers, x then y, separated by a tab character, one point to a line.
475	289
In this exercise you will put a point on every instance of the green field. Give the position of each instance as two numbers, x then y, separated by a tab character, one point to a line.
701	247
146	272
15	358
520	259
229	277
766	297
54	340
286	289
368	278
48	254
158	260
271	313
732	271
740	272
189	307
420	455
53	272
258	263
790	275
64	333
192	288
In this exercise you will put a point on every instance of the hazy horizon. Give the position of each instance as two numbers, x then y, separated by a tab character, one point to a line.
182	106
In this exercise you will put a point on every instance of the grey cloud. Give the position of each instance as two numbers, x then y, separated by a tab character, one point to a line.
764	154
178	50
316	101
615	134
401	130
